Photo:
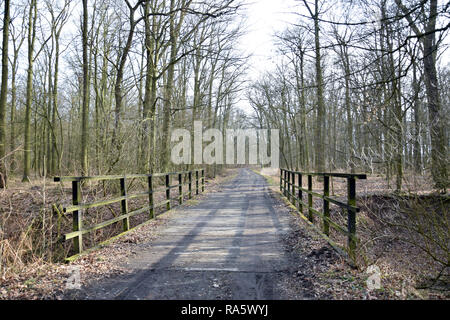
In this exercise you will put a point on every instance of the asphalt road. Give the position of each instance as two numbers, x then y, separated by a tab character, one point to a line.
228	246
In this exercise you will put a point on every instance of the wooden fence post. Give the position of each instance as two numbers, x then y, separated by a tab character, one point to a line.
300	193
285	187
180	187
310	203
293	189
290	187
351	194
77	217
281	180
190	184
168	191
287	183
150	197
203	180
124	204
196	181
326	205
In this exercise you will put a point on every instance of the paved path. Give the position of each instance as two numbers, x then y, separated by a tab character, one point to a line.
228	246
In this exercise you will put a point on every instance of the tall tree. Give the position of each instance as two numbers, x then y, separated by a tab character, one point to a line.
17	41
320	125
3	95
427	37
118	89
32	16
85	106
58	20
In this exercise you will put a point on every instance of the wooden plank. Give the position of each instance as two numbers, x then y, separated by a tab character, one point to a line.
196	181
281	179
168	191
351	220
124	204
98	178
151	213
310	216
332	200
105	202
93	205
77	222
112	177
326	205
203	180
180	187
293	189
138	195
105	223
333	174
190	184
300	194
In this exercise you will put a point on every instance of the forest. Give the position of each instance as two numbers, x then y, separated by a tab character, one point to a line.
96	87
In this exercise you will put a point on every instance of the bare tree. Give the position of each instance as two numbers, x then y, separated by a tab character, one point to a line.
427	37
3	95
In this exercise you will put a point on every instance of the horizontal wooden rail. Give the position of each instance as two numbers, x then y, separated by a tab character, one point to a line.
77	207
116	177
332	200
332	174
288	188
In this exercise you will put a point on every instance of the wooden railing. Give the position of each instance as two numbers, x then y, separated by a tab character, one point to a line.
77	207
294	193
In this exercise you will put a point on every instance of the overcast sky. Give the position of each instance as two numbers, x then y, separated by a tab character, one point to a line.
264	19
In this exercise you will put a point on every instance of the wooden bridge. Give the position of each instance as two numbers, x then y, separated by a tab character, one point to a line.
233	237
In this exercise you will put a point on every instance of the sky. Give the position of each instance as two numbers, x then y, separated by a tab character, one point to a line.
264	19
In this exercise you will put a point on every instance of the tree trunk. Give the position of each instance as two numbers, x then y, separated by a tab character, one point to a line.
436	125
3	96
85	106
31	39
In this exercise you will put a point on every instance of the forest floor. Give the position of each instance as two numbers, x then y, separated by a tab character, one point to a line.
317	271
